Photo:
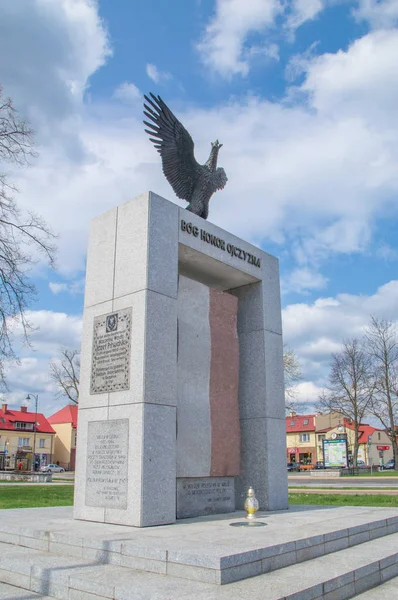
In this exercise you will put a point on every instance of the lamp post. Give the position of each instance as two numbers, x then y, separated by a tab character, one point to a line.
5	454
36	398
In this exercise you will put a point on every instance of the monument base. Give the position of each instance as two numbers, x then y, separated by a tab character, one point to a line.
298	555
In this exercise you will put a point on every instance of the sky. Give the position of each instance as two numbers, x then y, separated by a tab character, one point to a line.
303	94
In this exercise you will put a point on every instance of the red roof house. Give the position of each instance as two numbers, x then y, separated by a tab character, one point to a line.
26	438
64	422
300	439
11	419
67	414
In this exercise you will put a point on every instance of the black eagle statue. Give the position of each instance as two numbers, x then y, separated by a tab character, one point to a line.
190	181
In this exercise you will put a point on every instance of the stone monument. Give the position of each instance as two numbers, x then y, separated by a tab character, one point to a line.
181	405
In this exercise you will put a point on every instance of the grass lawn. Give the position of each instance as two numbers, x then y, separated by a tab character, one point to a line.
346	487
34	496
62	495
341	500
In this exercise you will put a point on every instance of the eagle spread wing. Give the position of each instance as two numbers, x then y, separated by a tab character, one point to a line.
219	178
174	145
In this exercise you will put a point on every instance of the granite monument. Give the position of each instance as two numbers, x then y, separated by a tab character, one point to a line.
181	403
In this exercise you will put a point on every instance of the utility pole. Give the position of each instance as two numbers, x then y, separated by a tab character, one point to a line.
370	462
36	397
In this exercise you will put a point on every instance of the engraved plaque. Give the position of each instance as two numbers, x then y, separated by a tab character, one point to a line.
110	367
200	496
107	463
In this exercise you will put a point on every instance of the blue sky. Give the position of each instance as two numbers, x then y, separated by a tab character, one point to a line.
302	93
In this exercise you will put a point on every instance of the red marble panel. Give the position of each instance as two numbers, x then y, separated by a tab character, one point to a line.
224	380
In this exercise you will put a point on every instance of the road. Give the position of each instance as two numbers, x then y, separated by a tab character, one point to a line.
342	482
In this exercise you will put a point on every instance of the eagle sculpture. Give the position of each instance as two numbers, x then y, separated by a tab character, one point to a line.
190	181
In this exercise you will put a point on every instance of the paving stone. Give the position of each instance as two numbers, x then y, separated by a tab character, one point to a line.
10	592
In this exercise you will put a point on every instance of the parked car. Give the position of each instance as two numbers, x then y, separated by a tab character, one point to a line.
293	466
52	469
319	464
389	465
361	464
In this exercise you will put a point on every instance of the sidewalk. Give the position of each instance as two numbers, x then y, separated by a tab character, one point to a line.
373	492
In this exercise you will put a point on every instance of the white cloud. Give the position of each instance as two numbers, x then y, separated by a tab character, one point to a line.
48	50
155	74
57	288
72	287
303	279
227	46
270	51
359	83
302	11
127	92
307	394
313	176
386	252
222	45
51	330
315	331
378	13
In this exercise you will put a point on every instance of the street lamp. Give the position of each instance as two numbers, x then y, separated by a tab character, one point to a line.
36	398
4	464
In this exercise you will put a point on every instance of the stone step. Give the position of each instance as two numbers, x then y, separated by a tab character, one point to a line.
385	591
339	576
207	550
10	592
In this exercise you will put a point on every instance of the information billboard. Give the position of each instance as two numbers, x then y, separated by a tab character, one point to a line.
335	453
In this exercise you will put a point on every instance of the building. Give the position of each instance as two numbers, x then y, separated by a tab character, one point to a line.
300	439
374	445
305	435
24	435
65	424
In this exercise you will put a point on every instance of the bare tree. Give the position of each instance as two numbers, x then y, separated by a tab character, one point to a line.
20	233
350	391
382	344
292	375
65	371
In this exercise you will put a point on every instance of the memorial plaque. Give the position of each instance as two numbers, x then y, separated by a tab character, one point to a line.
110	367
107	463
198	496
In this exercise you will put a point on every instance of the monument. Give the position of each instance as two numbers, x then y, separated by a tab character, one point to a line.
181	405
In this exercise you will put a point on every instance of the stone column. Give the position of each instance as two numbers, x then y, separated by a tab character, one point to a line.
126	448
261	390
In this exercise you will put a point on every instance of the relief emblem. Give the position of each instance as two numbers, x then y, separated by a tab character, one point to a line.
111	323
